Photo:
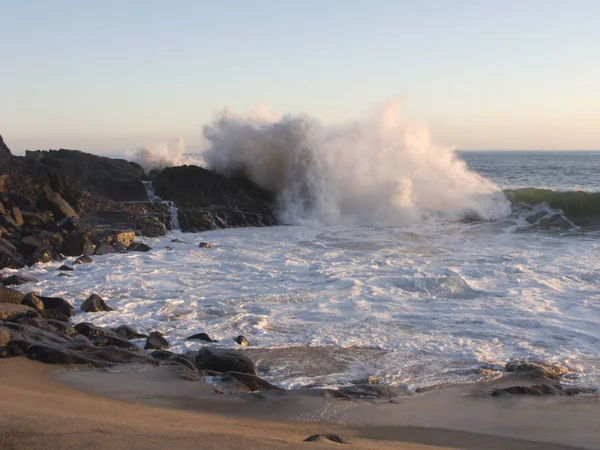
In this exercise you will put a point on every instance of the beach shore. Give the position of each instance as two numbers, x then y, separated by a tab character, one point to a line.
39	411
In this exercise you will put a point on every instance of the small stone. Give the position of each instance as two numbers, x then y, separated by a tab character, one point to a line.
63	267
178	241
201	337
156	341
204	245
241	340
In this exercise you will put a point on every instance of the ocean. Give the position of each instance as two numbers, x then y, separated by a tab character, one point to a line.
398	260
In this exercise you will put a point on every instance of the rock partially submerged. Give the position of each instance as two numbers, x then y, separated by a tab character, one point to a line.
224	360
156	341
201	337
538	369
539	390
95	303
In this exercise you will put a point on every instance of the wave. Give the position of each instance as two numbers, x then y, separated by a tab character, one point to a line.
580	206
372	171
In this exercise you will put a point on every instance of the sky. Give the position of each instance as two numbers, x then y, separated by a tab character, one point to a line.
108	76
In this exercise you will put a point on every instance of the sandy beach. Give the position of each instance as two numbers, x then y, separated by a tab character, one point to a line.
37	411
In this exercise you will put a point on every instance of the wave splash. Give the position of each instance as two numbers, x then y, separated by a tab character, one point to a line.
375	171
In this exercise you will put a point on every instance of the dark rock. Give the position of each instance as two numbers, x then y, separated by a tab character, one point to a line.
63	267
83	260
204	245
156	341
58	355
371	391
105	341
178	241
224	360
5	336
241	340
9	257
116	355
128	332
70	224
201	337
138	247
162	355
76	243
329	437
252	382
31	242
16	280
14	349
41	255
104	249
92	331
8	295
208	200
54	315
183	361
58	206
5	156
58	304
539	369
542	390
95	303
33	301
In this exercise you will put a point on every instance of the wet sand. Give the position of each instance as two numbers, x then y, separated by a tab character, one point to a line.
39	411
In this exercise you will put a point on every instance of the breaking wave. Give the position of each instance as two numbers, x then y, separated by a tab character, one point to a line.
374	171
579	206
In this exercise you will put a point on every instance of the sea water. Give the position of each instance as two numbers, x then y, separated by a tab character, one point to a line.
398	260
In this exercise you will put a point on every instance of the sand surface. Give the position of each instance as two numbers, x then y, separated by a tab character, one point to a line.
38	411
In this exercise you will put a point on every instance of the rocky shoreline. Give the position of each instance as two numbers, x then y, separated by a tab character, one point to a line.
66	203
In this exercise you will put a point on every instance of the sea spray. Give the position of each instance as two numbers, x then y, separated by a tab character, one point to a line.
375	171
161	154
173	211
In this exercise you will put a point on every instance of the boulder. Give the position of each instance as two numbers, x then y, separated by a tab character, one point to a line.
8	295
92	331
129	333
33	301
17	216
53	202
204	245
59	305
156	341
371	391
241	340
224	360
104	249
138	247
58	355
201	337
5	336
11	311
77	244
538	369
123	238
252	382
105	341
66	268
42	255
17	280
95	303
9	257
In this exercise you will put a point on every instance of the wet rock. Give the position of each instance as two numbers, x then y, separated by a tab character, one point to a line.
33	301
371	391
252	382
83	260
70	224
241	340
14	349
118	355
8	295
58	304
95	303
129	333
326	438
542	390
106	341
53	314
204	245
156	341
538	369
16	280
162	355
57	355
201	337
224	360
92	331
177	241
17	216
139	247
66	268
104	249
41	255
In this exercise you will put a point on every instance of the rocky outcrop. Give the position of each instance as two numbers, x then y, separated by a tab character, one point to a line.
207	200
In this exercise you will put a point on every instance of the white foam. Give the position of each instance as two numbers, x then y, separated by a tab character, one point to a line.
442	298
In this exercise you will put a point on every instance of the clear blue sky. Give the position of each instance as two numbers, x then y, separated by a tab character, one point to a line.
108	75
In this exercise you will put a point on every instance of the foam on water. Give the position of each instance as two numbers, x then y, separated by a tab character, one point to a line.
434	301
